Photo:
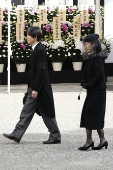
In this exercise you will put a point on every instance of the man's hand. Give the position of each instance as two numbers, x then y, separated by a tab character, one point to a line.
34	94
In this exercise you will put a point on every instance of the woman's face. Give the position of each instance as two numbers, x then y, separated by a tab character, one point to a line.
89	47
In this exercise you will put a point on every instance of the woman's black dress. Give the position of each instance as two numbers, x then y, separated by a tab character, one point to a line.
93	111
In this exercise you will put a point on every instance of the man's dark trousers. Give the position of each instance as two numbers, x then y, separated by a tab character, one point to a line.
26	116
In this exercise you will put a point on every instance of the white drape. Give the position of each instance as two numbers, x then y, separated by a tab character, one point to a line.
89	2
108	25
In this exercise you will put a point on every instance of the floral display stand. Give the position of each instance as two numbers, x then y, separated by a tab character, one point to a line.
1	68
21	67
57	66
77	65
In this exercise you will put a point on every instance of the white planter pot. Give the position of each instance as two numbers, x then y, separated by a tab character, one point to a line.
1	68
57	66
77	65
21	67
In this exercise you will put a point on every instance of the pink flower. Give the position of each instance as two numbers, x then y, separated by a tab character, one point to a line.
25	23
20	41
48	29
64	27
23	46
86	24
6	11
3	23
33	11
90	10
48	9
70	10
68	23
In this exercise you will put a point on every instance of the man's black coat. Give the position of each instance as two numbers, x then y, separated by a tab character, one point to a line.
39	81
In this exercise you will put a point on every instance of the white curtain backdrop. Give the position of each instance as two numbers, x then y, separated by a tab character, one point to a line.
57	2
89	2
108	25
31	2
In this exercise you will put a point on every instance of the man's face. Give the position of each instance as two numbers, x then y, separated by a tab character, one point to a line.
31	40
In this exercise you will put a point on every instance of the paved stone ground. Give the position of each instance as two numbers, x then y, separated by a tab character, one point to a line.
31	154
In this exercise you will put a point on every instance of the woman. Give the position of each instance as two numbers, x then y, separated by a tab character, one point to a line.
93	112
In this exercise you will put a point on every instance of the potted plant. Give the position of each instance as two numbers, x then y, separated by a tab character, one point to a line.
20	54
57	54
74	47
3	56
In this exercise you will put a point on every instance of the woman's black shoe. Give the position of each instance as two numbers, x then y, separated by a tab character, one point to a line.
87	147
105	144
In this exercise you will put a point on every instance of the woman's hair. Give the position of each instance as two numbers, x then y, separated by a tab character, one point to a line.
93	38
35	32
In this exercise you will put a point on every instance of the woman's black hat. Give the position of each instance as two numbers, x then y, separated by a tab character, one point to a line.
91	38
94	38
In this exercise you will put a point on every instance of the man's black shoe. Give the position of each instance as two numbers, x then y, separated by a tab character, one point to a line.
52	142
11	137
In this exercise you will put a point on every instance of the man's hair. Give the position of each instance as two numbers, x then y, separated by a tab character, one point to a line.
35	32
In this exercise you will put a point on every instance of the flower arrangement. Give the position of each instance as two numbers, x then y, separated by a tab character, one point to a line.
31	15
5	15
56	51
70	12
51	12
47	32
66	30
66	26
106	48
4	31
74	48
3	53
20	52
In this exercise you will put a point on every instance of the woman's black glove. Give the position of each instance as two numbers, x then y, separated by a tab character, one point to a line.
85	85
82	82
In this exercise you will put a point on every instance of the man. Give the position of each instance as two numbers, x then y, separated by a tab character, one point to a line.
39	93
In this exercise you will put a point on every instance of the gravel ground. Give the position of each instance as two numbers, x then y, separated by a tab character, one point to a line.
31	154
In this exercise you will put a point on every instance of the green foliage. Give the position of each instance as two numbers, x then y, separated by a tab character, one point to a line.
20	52
3	53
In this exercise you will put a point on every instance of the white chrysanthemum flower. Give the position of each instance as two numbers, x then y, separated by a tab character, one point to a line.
103	46
58	43
45	43
78	44
20	41
68	23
